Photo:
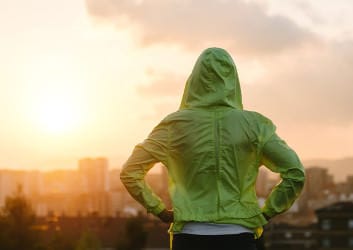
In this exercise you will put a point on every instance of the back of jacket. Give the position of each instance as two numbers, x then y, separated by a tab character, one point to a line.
213	150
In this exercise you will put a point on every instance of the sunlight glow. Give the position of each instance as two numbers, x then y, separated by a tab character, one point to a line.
57	114
55	95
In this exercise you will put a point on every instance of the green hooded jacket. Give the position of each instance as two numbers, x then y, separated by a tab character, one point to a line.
213	149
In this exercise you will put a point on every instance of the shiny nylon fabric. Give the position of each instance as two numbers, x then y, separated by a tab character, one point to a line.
213	82
213	150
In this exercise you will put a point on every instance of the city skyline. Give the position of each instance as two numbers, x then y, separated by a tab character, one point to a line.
72	202
94	188
92	78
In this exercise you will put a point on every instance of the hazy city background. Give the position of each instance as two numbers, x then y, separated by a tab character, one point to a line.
94	187
83	81
88	206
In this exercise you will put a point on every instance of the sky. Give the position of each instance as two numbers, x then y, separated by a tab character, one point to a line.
92	78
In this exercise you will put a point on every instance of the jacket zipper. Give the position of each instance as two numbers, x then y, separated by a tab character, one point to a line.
217	154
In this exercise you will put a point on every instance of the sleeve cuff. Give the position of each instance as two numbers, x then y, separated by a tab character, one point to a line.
157	210
267	213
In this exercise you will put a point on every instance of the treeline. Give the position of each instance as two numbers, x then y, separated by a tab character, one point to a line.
20	229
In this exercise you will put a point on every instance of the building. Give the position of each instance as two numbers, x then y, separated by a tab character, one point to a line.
94	186
61	182
317	182
262	189
29	182
319	190
158	181
332	231
94	175
285	236
335	226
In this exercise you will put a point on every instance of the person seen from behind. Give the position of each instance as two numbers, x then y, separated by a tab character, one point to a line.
213	149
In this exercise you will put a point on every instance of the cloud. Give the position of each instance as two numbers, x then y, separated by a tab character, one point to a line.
312	85
163	85
306	80
244	27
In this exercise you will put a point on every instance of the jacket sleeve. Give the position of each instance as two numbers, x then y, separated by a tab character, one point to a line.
280	158
132	176
142	159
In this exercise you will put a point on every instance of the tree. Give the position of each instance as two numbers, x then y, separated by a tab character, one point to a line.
88	241
135	236
16	222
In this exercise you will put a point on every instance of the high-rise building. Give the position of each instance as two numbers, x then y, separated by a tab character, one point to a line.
94	175
335	226
350	183
29	182
317	182
61	181
95	185
114	180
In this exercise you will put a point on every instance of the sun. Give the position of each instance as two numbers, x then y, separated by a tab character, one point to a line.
55	94
56	108
56	114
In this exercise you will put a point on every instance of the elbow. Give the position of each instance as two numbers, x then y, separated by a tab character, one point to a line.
299	179
301	175
124	176
129	176
296	176
300	186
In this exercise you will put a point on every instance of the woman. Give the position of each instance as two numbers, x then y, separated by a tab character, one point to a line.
213	149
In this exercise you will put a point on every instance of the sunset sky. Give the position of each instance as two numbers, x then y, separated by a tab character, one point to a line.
92	78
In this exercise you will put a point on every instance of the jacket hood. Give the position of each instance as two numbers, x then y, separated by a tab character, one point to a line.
213	82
